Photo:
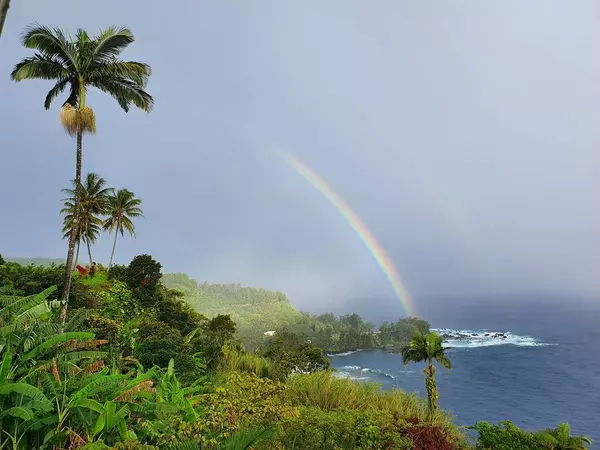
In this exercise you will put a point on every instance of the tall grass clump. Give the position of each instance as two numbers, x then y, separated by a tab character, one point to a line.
235	360
326	391
393	411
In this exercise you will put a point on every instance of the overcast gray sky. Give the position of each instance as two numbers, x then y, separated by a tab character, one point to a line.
465	134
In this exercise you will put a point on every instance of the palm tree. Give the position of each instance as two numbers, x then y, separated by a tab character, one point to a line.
122	207
93	202
427	348
4	5
80	63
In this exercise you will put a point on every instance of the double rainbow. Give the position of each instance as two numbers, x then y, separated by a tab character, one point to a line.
361	230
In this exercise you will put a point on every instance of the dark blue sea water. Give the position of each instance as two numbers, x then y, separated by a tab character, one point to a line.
550	372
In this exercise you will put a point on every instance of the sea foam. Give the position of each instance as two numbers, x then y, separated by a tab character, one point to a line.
485	338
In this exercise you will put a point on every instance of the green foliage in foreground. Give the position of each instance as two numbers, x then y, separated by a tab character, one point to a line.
137	368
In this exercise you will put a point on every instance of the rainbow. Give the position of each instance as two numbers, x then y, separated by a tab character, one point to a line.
359	227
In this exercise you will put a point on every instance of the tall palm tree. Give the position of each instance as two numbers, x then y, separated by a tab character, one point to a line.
122	207
424	348
4	5
79	63
93	202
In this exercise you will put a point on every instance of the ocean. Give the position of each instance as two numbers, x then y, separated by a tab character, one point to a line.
544	371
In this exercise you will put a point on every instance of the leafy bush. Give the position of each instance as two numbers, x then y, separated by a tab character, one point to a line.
157	344
237	402
507	436
116	301
291	354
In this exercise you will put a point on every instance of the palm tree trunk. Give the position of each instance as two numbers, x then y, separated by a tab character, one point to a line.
4	5
89	247
75	225
77	252
430	386
113	250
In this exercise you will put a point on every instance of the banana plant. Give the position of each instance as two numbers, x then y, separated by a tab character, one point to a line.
24	409
110	420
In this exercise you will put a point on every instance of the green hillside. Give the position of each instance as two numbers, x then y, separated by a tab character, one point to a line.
254	310
38	261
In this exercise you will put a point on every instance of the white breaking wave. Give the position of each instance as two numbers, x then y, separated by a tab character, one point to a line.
344	353
350	367
378	372
484	338
348	376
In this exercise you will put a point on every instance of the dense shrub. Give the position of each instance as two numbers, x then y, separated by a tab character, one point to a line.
239	401
213	336
157	344
116	301
342	429
291	354
172	310
503	436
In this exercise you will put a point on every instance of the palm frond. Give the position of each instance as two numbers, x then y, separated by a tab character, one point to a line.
133	71
444	360
52	42
39	67
125	92
111	42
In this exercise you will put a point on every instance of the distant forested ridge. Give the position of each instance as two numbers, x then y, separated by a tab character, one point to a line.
37	261
256	311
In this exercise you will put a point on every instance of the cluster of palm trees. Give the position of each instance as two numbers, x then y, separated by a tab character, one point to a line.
76	64
98	208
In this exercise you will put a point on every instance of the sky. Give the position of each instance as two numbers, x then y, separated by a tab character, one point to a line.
464	134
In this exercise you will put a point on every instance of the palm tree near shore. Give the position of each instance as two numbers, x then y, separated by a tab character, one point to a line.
123	206
427	348
77	64
93	203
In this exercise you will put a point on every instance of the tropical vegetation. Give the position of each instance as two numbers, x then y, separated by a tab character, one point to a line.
137	367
